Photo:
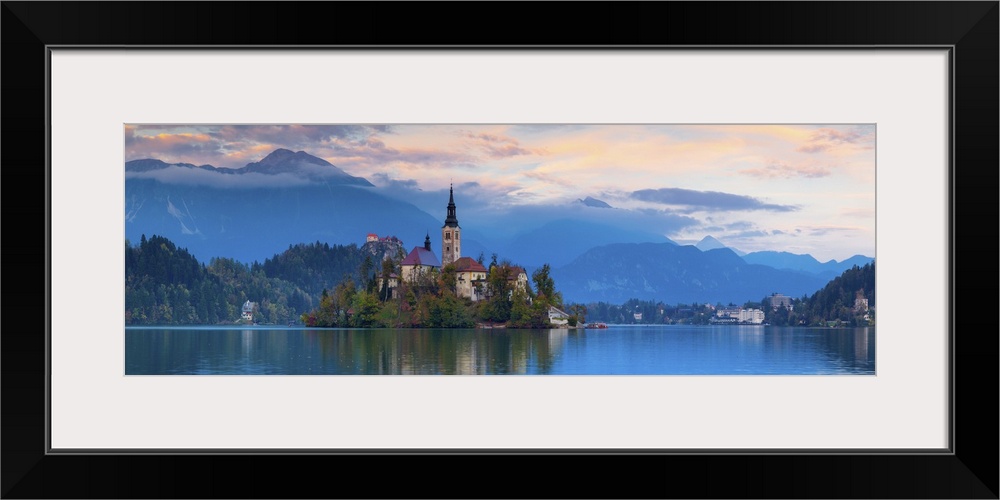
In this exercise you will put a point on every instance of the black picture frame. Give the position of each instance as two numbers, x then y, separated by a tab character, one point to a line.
969	28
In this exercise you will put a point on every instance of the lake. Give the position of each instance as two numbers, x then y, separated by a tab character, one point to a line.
618	350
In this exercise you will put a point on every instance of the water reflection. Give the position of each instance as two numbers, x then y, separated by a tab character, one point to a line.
456	352
658	350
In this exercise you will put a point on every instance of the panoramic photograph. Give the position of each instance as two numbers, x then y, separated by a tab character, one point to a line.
499	249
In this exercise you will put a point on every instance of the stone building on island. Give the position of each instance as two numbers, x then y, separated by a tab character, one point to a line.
471	279
471	275
421	261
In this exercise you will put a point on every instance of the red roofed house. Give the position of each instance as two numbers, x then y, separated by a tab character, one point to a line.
420	262
471	279
518	278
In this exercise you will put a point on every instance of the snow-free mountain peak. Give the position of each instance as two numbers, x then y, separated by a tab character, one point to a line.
285	160
282	161
709	243
594	202
279	161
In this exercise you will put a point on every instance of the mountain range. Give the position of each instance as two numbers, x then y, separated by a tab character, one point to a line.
254	212
675	274
279	161
807	263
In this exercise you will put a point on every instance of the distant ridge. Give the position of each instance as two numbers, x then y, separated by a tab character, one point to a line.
674	274
805	262
279	161
594	202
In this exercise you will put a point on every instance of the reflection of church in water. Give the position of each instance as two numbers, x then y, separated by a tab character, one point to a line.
533	353
471	275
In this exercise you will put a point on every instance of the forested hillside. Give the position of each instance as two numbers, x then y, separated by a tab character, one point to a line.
833	303
313	266
319	285
166	285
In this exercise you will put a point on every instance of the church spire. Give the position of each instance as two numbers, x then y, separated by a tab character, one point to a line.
451	240
427	242
452	219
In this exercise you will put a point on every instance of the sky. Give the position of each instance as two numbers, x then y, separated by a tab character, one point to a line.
796	188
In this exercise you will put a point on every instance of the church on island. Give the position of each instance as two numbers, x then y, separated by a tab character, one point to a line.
471	275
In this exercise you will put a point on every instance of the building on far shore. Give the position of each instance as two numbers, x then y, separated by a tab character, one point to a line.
737	316
248	310
860	302
374	238
778	300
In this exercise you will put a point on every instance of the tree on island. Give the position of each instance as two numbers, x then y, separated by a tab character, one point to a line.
545	287
431	300
579	313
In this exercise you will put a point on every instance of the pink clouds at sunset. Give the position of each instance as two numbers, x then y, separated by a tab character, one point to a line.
826	140
775	169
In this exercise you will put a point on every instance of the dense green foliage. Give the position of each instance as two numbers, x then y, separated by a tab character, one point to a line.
347	286
313	267
320	285
834	303
166	285
432	301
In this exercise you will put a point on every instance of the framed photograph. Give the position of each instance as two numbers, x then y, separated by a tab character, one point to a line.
828	130
544	235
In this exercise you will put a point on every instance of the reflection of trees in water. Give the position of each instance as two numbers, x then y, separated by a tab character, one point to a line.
205	351
855	346
511	351
468	351
861	344
430	351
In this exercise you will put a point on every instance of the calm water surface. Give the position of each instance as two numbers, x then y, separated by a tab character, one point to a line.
619	350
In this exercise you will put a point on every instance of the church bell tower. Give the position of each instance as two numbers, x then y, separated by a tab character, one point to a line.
451	240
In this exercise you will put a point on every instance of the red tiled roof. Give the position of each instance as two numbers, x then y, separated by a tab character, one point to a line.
469	265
